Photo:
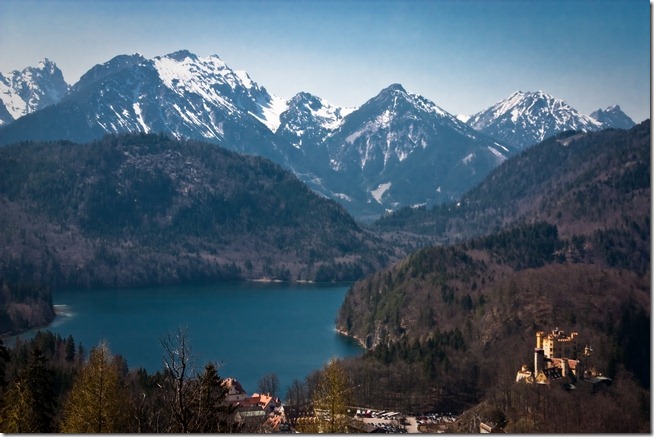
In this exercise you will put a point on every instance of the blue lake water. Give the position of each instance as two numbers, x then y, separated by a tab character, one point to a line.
251	328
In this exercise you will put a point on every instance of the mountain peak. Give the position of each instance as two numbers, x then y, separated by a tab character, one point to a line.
394	87
308	99
101	71
181	55
33	88
613	117
526	118
47	65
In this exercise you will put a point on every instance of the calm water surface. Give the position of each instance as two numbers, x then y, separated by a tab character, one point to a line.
251	328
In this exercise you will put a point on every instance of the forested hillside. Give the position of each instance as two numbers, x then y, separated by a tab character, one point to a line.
145	209
583	182
24	306
454	323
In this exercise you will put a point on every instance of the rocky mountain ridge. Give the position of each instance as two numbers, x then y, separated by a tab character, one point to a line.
613	117
527	118
398	149
27	91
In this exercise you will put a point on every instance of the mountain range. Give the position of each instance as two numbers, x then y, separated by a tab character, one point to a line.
397	149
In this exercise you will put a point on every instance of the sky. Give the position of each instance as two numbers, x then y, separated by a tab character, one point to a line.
464	55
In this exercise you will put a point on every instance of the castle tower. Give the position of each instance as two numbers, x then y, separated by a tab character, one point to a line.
539	360
558	345
539	339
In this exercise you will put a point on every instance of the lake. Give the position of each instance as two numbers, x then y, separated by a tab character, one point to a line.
251	328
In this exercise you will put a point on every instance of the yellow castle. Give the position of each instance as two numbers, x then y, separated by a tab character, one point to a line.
556	355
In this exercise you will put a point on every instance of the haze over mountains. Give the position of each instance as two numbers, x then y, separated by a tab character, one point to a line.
398	149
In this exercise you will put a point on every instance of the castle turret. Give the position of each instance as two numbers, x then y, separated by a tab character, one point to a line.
539	339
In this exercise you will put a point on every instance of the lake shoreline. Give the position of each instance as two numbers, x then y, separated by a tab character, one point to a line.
251	327
353	337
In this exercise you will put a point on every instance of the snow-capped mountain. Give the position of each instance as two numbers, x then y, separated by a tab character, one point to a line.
178	94
397	149
613	117
33	88
309	119
400	149
304	126
526	118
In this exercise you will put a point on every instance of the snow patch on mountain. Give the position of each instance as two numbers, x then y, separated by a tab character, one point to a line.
500	156
342	196
378	192
139	117
192	75
271	112
215	83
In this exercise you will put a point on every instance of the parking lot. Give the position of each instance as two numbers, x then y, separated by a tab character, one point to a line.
397	423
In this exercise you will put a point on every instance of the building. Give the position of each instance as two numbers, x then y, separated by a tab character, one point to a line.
235	392
556	356
259	412
525	375
557	344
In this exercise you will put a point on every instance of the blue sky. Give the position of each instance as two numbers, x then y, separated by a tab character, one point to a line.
464	55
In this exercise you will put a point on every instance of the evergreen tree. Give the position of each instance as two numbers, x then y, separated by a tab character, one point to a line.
40	379
30	402
70	349
4	359
210	413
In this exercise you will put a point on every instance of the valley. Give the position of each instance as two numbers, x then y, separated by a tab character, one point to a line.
461	240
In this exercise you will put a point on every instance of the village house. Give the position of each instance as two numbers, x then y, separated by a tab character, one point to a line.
235	392
256	411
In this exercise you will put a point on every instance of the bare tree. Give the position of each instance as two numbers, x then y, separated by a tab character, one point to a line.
195	401
269	384
296	395
179	369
